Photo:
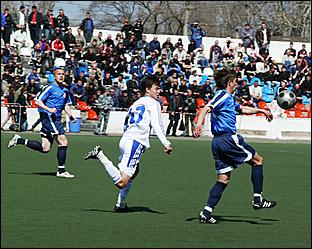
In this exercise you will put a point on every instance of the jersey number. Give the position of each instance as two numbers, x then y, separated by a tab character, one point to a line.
135	117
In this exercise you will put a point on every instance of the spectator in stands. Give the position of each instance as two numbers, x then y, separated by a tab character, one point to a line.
178	43
57	32
206	91
194	77
251	69
174	109
21	18
8	26
127	29
20	39
34	24
20	71
213	48
109	41
242	94
197	33
180	51
62	22
173	67
292	50
121	82
302	51
154	44
78	91
33	75
252	52
288	60
166	43
69	41
263	36
216	59
305	85
49	23
282	87
104	104
87	27
256	93
189	108
301	67
191	47
138	29
58	48
125	101
11	109
247	35
80	39
264	54
99	39
32	89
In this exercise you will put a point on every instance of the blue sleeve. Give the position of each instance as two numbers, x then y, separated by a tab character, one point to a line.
237	106
68	100
44	94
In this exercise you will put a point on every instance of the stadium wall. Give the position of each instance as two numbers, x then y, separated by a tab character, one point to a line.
249	126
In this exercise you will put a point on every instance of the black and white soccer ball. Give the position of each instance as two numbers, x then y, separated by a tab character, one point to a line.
286	99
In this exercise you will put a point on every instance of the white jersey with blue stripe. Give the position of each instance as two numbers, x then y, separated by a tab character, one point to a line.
144	114
223	113
54	96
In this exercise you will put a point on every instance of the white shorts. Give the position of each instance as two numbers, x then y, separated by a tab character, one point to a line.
130	154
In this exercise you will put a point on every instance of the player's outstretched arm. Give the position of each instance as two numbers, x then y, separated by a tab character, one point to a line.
251	110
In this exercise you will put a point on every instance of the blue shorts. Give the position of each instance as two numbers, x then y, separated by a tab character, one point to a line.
229	151
51	126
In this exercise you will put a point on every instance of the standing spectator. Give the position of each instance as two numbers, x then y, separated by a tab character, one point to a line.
197	33
2	27
62	22
302	51
138	29
189	108
87	27
105	104
263	36
127	30
34	24
21	19
174	109
49	23
8	25
247	35
11	110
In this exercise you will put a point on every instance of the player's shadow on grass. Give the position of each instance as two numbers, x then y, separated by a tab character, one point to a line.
130	210
246	219
34	173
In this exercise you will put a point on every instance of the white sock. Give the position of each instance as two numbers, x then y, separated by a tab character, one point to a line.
113	172
121	201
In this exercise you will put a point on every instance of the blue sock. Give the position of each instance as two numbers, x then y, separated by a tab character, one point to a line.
61	158
214	197
257	181
32	144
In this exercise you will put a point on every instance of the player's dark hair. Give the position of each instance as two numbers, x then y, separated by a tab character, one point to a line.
223	77
148	82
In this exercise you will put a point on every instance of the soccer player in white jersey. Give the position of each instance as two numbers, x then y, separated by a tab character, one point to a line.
229	148
144	114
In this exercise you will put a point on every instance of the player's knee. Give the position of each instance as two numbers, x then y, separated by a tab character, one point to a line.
46	150
121	184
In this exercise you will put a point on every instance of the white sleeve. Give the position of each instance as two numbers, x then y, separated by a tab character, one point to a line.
157	124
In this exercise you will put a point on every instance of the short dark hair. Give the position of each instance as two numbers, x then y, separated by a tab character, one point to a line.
223	77
148	82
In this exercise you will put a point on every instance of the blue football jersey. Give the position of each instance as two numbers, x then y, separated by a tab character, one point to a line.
55	96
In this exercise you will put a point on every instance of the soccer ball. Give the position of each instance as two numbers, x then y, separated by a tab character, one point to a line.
286	99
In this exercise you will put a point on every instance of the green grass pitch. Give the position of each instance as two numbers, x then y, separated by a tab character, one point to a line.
40	210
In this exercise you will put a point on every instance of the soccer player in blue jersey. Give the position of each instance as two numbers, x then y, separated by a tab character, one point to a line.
51	101
228	148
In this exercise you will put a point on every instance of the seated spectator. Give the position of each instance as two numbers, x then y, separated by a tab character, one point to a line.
20	39
58	48
206	92
107	80
69	41
78	91
256	93
242	94
194	77
293	51
200	59
305	85
180	51
32	89
288	60
168	42
33	75
121	82
282	87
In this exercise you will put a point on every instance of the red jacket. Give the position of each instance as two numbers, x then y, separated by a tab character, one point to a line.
58	45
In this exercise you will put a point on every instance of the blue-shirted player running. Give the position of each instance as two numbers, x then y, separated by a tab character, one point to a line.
228	148
51	101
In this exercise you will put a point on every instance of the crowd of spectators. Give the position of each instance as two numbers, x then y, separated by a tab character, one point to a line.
97	65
